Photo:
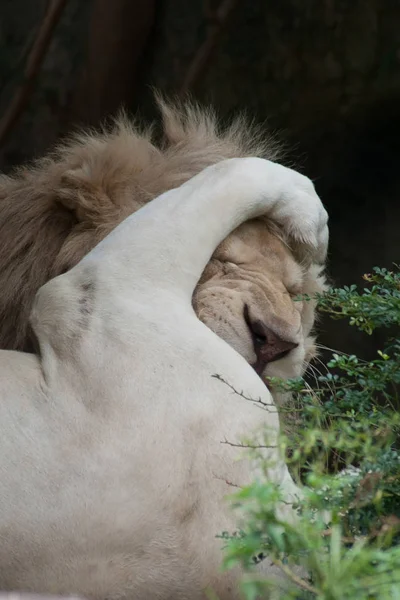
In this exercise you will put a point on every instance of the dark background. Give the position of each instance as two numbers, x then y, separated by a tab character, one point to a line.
325	74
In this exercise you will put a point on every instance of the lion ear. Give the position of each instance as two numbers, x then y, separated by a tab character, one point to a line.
87	196
185	123
75	192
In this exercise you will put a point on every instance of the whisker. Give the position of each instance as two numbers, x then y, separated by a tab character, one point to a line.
334	351
330	386
312	371
311	391
323	365
317	358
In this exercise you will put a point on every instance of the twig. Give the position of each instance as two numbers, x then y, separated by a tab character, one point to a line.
254	447
242	395
344	539
294	578
217	21
32	67
228	482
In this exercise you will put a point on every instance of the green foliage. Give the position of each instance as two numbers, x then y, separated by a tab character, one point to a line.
342	444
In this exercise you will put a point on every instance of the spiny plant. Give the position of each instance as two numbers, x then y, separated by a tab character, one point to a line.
342	446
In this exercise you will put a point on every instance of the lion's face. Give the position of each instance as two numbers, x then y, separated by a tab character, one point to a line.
246	296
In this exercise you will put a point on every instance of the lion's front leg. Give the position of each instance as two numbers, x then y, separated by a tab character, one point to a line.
173	237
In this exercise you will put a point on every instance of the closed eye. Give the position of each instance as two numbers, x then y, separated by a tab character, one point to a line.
293	292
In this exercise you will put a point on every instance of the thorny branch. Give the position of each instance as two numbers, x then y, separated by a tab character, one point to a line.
257	401
254	447
32	67
294	578
217	21
227	481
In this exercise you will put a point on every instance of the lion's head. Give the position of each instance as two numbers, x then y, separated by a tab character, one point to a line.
247	295
54	212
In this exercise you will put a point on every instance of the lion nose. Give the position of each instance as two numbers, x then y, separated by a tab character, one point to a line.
272	347
268	346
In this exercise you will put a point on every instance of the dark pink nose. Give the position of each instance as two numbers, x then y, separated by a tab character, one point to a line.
268	346
274	347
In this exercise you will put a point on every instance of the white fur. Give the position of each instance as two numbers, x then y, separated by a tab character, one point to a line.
112	468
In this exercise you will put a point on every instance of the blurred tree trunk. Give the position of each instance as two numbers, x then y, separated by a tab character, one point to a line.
47	109
118	32
91	68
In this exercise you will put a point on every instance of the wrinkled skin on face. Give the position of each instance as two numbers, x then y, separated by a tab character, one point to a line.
246	296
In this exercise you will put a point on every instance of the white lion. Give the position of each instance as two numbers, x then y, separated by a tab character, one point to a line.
113	474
